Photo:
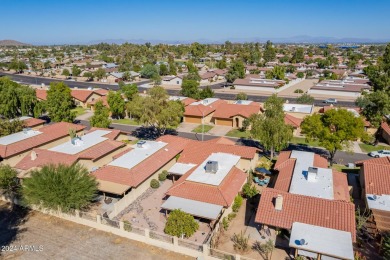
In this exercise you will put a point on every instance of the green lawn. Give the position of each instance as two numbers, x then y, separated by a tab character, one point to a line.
369	148
199	128
125	121
239	134
79	111
301	140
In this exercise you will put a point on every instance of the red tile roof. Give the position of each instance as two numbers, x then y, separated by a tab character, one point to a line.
376	174
81	95
41	94
333	214
286	170
101	92
103	99
220	195
222	140
385	127
340	186
188	101
227	111
292	121
208	75
49	134
33	122
283	156
202	110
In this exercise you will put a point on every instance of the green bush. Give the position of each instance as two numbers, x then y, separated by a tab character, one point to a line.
249	190
154	184
225	223
237	203
231	216
8	178
300	75
163	176
127	225
180	223
298	91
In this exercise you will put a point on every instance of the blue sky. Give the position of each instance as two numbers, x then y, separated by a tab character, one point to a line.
82	21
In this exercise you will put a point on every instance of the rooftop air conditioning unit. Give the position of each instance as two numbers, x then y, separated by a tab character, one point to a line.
141	143
212	167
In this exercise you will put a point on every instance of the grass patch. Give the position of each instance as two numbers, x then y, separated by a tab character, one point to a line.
264	162
346	169
370	148
79	111
302	141
125	121
199	128
239	134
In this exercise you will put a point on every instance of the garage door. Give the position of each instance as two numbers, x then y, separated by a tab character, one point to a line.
226	122
192	119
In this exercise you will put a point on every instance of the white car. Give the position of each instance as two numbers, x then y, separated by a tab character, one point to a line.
380	153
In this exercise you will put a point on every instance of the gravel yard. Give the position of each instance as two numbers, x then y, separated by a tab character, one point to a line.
54	238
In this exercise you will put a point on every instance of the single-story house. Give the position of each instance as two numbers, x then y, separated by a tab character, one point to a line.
253	82
172	80
234	114
385	132
201	111
207	77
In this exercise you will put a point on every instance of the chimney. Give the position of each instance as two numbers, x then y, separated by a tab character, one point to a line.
33	155
211	167
312	174
279	202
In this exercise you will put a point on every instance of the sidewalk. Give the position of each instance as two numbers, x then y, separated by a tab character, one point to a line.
85	116
356	148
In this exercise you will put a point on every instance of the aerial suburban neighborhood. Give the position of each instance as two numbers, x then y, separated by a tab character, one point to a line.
226	147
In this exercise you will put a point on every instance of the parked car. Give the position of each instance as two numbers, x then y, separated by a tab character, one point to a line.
330	101
380	153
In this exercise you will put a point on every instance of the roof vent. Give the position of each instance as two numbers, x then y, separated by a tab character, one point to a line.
211	167
279	202
141	143
33	155
312	174
27	130
77	141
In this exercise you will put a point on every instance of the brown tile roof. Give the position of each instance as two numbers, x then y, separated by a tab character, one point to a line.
333	214
283	156
227	111
41	94
188	101
81	95
340	186
285	174
208	75
376	175
222	140
33	122
49	134
102	98
200	110
101	92
221	195
292	121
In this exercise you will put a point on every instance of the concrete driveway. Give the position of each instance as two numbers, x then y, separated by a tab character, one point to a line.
186	127
220	130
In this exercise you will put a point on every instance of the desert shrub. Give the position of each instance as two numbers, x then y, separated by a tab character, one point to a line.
237	203
154	184
163	176
298	91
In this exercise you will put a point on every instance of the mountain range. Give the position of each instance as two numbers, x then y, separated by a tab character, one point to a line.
12	43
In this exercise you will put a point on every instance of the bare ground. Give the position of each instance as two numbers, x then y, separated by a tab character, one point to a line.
60	239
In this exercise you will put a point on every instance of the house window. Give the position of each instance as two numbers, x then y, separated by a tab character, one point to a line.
177	82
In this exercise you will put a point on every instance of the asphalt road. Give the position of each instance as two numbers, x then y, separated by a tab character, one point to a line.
73	84
341	157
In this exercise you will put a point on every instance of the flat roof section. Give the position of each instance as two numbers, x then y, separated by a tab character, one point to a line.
297	108
379	202
326	241
321	186
137	154
242	102
205	102
225	163
17	137
181	168
193	207
85	142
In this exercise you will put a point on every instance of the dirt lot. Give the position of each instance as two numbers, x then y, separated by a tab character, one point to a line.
54	238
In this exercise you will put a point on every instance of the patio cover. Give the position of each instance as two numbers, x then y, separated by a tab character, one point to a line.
112	187
325	241
193	207
263	170
181	168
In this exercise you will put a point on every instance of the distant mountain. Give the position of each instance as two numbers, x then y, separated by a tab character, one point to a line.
12	43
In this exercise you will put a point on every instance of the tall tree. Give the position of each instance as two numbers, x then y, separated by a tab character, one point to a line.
100	116
276	73
8	178
116	103
237	70
76	71
129	90
163	69
269	128
60	187
8	127
149	71
335	129
100	73
59	103
190	88
241	96
207	92
269	52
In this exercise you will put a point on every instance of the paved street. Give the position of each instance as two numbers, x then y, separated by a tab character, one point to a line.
228	96
340	157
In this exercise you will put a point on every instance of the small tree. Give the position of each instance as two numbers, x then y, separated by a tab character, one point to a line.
116	103
242	96
60	102
9	127
249	190
300	75
237	203
305	99
100	116
100	73
240	242
266	248
207	92
8	178
385	246
180	224
60	187
65	72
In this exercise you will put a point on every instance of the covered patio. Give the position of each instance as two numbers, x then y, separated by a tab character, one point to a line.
321	243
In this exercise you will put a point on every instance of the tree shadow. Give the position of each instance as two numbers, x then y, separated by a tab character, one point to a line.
151	133
11	218
307	148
